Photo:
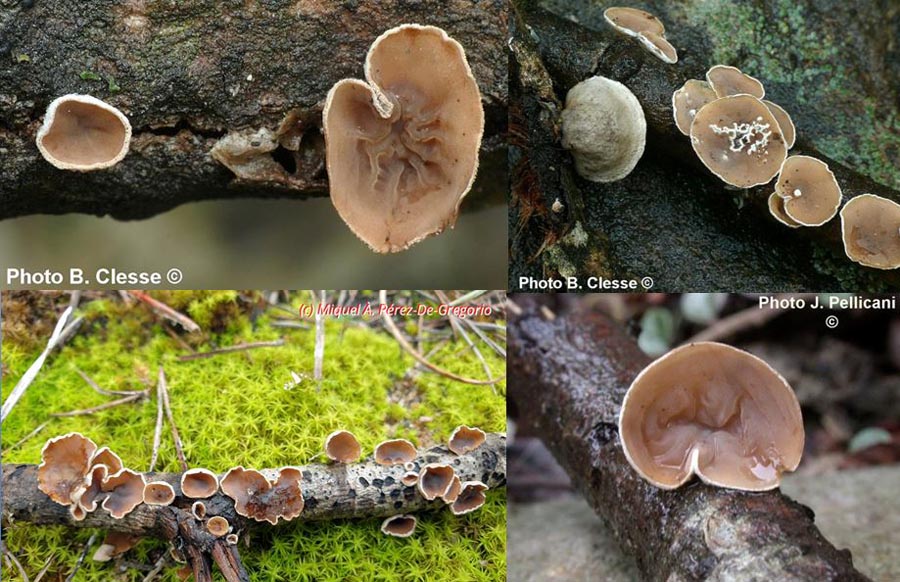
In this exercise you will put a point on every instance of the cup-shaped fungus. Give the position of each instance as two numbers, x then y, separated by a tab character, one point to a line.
105	456
159	493
92	493
395	452
776	209
198	510
604	127
632	21
809	189
399	526
402	147
688	100
435	480
453	491
341	446
714	411
739	140
65	462
83	133
727	81
260	499
465	439
115	543
870	227
125	491
410	478
217	526
788	131
659	47
199	483
231	539
470	498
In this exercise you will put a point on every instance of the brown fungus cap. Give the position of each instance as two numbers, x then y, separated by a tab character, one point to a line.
727	81
776	209
402	147
453	491
83	133
218	526
92	493
658	46
788	131
231	539
125	491
809	189
395	452
471	497
715	411
261	499
688	100
632	21
115	544
341	446
435	480
105	456
65	462
465	439
199	483
739	140
158	493
399	526
198	510
410	479
870	226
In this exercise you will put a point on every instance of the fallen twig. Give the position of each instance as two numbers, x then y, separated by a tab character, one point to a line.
104	391
157	431
12	560
165	311
29	435
80	561
232	349
164	389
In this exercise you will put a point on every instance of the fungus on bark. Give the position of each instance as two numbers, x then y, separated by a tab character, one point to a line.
159	493
231	539
92	493
435	480
410	478
604	127
125	491
776	209
739	140
714	411
645	27
65	462
788	131
870	228
659	47
342	446
83	133
402	147
728	81
688	100
260	499
465	439
115	544
198	510
105	456
809	189
453	491
399	526
217	526
199	483
395	452
470	498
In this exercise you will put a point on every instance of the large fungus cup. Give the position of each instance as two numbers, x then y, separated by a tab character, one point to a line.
714	411
402	147
65	462
870	227
199	483
739	140
809	189
395	452
727	81
260	499
83	133
125	491
604	127
465	439
342	446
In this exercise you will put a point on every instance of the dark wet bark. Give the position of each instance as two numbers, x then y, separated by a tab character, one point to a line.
671	197
189	73
568	377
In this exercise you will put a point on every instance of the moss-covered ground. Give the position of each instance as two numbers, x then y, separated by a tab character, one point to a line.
242	408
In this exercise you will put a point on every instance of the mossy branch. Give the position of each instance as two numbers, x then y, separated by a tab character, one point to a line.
570	375
187	75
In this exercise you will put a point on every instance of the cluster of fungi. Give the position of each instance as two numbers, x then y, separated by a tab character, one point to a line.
76	473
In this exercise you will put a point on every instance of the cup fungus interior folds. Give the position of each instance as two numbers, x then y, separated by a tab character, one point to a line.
714	411
402	147
83	133
810	191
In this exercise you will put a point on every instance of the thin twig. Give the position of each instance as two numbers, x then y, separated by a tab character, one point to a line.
467	297
29	435
157	567
487	370
493	345
179	450
319	351
104	391
232	349
392	327
157	432
44	569
100	407
167	312
80	561
743	320
11	558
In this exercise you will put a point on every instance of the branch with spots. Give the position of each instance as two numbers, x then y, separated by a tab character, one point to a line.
250	78
333	491
570	374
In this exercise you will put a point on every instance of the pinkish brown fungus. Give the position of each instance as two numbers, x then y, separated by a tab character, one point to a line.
218	526
159	493
727	81
776	209
65	462
632	21
199	483
125	491
465	439
105	456
470	498
788	131
231	539
714	411
870	228
198	510
92	493
659	47
341	446
399	526
453	491
83	133
402	147
809	189
395	452
410	479
435	480
260	499
688	100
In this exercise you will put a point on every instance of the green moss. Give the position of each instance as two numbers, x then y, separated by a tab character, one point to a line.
241	408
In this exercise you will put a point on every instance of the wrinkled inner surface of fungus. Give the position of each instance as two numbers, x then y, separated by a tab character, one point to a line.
402	149
258	498
810	191
65	463
739	140
871	231
715	411
126	491
84	134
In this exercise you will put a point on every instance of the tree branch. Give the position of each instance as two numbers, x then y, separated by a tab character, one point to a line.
191	73
570	375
